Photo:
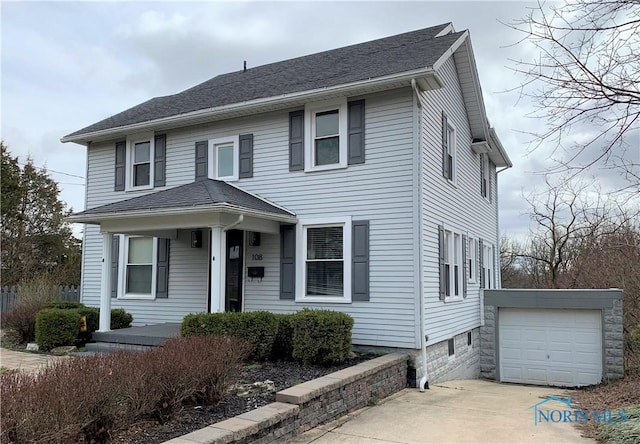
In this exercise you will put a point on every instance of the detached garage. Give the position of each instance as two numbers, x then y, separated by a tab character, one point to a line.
563	338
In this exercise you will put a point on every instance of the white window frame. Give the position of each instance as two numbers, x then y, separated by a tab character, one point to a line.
131	143
452	150
453	257
213	157
310	112
472	258
122	269
487	266
301	255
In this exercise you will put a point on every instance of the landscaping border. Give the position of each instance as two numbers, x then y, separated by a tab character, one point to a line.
304	406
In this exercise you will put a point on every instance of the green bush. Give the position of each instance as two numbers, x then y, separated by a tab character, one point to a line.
283	345
65	305
258	328
120	319
321	336
55	327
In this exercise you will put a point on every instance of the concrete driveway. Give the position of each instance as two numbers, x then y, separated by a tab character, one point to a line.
471	411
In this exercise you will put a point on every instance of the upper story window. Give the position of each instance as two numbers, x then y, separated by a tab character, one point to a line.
485	176
325	272
223	158
448	148
140	154
141	164
326	135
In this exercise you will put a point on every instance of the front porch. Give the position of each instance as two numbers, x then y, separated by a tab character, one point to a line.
134	337
182	250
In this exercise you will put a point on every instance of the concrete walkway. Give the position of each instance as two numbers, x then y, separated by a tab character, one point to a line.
471	411
15	360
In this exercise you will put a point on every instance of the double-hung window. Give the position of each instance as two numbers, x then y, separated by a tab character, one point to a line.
453	266
471	259
485	178
448	149
223	158
326	135
139	258
487	266
140	154
325	274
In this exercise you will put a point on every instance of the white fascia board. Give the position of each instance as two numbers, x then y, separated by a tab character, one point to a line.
499	154
251	106
180	211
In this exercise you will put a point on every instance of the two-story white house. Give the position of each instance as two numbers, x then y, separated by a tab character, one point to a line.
360	179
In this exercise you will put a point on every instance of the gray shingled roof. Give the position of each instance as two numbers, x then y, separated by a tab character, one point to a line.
202	193
377	58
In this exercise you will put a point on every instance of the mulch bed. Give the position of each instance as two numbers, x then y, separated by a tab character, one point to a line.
609	396
250	393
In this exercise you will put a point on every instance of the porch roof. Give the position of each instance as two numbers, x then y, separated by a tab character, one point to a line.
203	195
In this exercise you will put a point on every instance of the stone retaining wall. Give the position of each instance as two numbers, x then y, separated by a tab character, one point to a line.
304	406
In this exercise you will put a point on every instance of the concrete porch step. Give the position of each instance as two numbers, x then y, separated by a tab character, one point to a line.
106	347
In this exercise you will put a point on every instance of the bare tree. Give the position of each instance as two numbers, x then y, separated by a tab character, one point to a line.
585	82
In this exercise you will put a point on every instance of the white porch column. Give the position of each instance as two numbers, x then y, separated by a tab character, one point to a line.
217	269
105	294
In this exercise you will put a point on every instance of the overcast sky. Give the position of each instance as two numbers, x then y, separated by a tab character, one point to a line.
66	65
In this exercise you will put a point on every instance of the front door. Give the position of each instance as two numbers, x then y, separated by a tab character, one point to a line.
233	274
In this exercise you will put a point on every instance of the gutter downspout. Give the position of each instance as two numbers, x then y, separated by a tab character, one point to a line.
424	381
234	224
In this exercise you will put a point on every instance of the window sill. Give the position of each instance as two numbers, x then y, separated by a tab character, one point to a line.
137	297
140	188
321	300
451	299
333	166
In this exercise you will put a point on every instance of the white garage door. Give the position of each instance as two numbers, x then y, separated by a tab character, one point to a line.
550	347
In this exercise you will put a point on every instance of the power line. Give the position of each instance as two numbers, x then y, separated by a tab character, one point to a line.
53	171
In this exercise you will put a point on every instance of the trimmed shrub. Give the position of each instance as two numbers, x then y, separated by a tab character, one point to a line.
65	305
93	398
283	345
258	328
55	327
321	336
120	319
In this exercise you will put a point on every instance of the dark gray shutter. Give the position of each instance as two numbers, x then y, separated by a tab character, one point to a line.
489	178
162	269
356	132
465	266
160	156
441	267
483	187
445	153
115	260
481	263
245	154
202	160
287	262
360	260
296	140
121	165
494	271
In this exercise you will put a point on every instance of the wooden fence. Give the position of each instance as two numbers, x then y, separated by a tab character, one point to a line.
8	296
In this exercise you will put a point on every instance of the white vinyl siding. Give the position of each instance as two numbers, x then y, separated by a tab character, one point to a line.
460	209
379	191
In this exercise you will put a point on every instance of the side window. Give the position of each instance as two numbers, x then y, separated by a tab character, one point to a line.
487	266
141	164
453	266
471	259
485	175
448	149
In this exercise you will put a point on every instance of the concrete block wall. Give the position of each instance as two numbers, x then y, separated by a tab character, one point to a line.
488	355
463	364
613	342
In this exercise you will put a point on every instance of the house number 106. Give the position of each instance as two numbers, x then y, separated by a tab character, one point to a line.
256	257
